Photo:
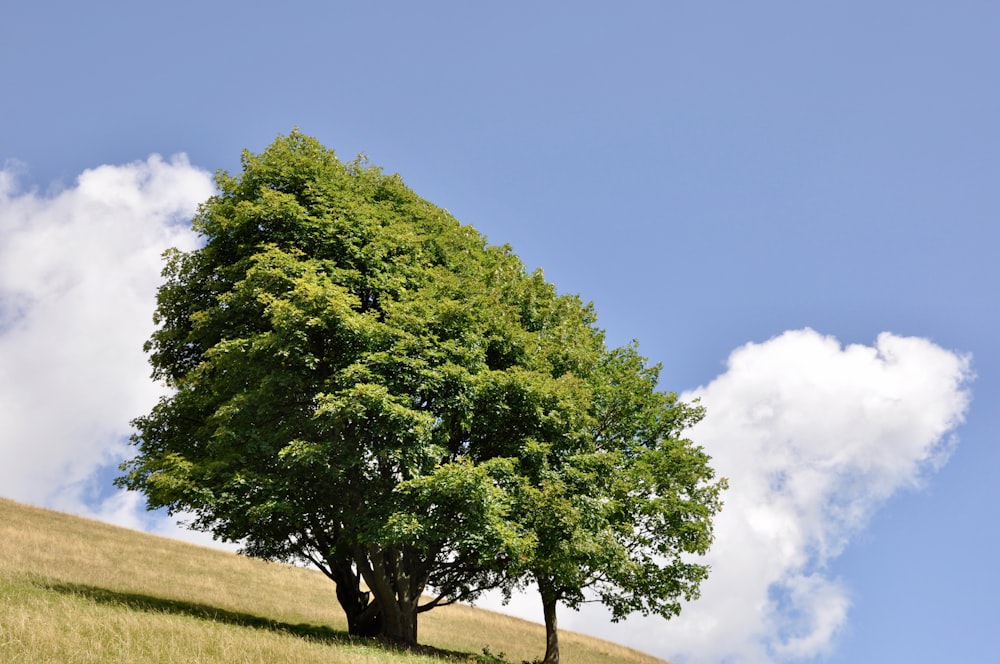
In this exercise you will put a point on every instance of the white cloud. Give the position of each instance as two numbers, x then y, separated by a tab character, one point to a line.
128	510
813	437
79	270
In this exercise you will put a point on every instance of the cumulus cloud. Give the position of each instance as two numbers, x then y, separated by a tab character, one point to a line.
79	270
813	437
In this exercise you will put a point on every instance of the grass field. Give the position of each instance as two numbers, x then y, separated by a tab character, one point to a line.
80	591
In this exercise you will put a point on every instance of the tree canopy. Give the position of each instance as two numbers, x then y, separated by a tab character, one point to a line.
616	516
361	382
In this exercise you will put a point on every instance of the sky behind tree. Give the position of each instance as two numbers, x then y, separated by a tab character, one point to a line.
792	206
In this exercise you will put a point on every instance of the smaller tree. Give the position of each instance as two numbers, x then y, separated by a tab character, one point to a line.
619	506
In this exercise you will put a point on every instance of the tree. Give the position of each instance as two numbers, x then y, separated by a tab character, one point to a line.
361	382
326	347
614	501
618	513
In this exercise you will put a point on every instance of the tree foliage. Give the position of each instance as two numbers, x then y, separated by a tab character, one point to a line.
618	515
359	381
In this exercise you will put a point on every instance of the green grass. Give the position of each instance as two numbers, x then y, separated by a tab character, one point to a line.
81	591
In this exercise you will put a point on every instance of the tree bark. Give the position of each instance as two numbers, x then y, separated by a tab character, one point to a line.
363	616
403	629
549	602
397	609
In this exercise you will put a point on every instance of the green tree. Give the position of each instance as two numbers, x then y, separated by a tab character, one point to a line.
361	382
326	347
614	501
618	511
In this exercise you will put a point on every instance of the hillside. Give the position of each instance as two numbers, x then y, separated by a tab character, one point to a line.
77	590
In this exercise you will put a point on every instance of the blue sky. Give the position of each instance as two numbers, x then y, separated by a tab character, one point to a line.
754	191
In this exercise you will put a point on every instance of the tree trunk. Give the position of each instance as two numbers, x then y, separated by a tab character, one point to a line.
397	608
549	602
363	616
402	628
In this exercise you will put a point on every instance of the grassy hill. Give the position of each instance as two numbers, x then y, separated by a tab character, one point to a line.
81	591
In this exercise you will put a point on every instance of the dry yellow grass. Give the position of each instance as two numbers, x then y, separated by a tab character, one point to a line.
76	590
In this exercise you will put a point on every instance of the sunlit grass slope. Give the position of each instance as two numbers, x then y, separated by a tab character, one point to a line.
76	590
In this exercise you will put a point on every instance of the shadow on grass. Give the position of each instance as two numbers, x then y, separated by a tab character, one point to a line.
141	602
318	633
